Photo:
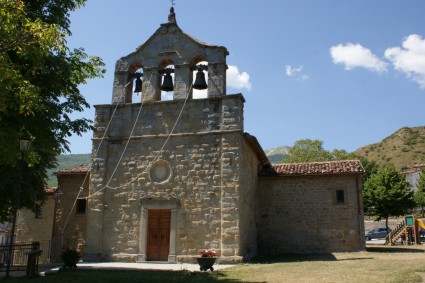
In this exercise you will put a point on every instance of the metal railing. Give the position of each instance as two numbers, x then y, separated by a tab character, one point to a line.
20	255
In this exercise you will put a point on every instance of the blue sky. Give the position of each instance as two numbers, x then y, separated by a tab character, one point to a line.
348	73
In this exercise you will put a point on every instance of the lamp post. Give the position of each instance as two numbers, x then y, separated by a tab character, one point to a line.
24	146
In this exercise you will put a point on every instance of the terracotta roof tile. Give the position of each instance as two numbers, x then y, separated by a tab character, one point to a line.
318	168
49	191
410	171
83	168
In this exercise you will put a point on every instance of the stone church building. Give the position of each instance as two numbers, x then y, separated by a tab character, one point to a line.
171	177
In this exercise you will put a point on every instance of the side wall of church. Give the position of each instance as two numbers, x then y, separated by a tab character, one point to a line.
248	202
202	159
302	215
70	227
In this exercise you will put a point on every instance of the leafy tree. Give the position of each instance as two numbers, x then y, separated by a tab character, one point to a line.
419	198
420	193
307	150
39	79
420	184
370	168
341	154
386	193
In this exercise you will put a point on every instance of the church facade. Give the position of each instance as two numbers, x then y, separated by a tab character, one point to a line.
169	178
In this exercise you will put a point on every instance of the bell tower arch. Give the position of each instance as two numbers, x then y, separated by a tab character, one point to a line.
169	44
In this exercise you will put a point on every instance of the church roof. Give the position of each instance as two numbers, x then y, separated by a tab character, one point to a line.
81	169
317	168
258	150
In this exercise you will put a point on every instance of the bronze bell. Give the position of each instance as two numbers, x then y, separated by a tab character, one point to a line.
167	84
200	82
138	86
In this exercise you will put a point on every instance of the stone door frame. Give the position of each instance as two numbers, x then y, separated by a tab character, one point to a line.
146	205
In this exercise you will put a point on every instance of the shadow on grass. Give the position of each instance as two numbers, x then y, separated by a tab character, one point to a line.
393	249
303	258
116	276
294	258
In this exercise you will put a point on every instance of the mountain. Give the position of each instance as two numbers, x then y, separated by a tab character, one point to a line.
67	161
403	149
276	154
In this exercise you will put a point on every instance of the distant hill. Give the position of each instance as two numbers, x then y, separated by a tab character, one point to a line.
67	161
276	154
402	149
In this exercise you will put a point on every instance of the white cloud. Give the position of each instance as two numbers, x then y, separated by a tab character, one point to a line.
356	56
296	72
410	59
237	80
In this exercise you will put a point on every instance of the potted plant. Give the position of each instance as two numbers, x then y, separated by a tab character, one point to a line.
70	257
206	260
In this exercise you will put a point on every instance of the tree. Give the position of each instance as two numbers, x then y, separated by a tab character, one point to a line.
419	196
308	150
420	184
39	79
386	193
370	168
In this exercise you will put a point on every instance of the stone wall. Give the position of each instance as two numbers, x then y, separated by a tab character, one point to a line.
202	158
248	174
70	227
301	215
36	229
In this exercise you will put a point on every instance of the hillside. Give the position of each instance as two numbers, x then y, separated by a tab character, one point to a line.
276	154
67	161
403	148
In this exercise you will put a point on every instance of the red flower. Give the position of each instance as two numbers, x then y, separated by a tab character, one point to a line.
207	253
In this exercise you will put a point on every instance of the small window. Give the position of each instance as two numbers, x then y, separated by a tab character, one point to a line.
39	212
81	206
340	197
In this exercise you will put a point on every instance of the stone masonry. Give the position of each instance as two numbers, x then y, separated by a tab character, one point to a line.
300	214
212	177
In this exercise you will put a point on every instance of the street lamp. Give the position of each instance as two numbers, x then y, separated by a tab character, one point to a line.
24	146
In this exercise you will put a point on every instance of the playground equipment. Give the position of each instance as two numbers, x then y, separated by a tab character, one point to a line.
408	231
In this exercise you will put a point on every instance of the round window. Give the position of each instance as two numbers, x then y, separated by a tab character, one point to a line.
160	171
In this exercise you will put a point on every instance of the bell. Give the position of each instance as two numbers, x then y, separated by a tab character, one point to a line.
167	84
138	87
200	82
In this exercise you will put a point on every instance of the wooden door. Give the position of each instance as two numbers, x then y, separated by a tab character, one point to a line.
158	234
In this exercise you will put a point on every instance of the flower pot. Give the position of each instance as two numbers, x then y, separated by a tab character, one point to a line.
70	262
206	263
70	258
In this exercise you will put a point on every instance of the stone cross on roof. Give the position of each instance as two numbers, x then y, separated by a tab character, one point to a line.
172	15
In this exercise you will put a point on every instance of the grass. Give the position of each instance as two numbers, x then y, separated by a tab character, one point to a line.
377	264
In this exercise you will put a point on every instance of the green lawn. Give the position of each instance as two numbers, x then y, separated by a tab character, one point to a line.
378	264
